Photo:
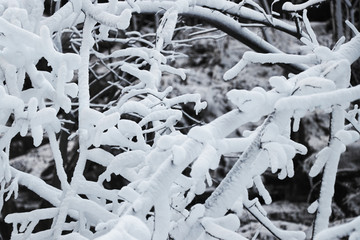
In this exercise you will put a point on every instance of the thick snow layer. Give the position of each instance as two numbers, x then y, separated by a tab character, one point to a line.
246	101
128	228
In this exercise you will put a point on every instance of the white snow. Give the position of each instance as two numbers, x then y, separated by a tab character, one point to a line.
347	137
246	101
222	227
313	207
122	164
128	228
321	159
179	154
128	194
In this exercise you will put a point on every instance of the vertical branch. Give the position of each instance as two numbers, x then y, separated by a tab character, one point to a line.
350	52
60	171
84	96
60	218
329	176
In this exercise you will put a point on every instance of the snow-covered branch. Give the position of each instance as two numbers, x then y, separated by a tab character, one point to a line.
131	171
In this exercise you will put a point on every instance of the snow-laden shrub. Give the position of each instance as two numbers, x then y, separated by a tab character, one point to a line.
157	201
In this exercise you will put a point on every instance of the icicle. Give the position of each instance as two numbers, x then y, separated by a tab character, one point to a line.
321	159
313	207
167	26
262	190
290	168
309	29
235	70
296	124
